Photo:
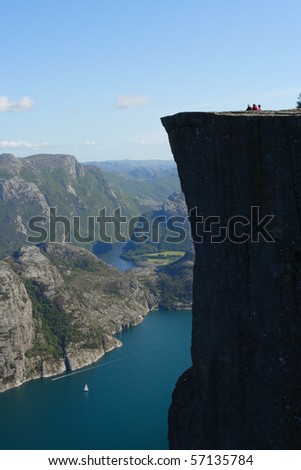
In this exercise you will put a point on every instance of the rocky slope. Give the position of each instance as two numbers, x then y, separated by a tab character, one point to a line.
170	286
243	391
16	326
59	309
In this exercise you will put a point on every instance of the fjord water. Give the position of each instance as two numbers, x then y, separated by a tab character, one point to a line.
112	257
127	405
129	391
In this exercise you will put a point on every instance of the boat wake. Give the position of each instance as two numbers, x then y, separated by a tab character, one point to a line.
94	367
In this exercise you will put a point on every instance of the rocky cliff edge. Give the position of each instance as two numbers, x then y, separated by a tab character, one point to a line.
243	391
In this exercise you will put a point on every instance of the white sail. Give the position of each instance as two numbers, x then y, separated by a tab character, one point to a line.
86	389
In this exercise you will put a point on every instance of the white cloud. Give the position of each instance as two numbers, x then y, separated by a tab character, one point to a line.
127	101
24	144
10	144
24	104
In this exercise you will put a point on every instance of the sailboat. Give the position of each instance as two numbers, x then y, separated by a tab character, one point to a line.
86	388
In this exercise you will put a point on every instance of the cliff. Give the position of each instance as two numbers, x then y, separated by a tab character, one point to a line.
16	326
243	390
60	307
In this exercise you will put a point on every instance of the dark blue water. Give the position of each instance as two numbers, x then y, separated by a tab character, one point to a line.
113	257
127	405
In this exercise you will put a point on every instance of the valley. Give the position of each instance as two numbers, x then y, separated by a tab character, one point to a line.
65	299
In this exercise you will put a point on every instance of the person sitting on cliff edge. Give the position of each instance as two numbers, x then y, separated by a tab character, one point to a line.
255	107
249	108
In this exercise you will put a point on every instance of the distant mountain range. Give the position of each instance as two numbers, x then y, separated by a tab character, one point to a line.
138	169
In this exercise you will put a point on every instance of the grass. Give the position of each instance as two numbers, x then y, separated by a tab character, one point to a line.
162	258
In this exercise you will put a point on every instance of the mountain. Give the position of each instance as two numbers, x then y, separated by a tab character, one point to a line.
145	183
138	169
60	308
60	305
171	284
30	186
166	268
164	236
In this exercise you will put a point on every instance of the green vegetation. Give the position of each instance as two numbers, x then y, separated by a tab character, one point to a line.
133	250
143	194
175	289
94	339
80	263
53	326
166	229
161	258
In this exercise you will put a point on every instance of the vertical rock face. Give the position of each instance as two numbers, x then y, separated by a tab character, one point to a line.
244	388
16	328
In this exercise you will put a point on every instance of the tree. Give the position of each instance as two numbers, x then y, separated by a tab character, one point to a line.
299	102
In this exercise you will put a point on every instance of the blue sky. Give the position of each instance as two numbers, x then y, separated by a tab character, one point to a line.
93	77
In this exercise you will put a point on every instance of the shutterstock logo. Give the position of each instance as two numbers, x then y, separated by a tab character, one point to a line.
115	227
238	228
